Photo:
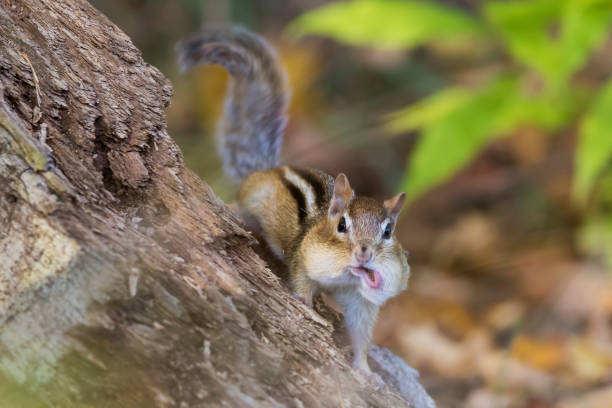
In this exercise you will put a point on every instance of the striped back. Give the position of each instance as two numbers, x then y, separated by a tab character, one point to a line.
310	188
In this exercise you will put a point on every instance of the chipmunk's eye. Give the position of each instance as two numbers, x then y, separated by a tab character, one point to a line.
387	231
342	225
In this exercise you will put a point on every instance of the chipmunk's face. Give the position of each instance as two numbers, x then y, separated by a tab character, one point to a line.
360	247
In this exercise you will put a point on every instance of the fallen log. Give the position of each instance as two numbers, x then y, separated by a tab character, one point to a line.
124	281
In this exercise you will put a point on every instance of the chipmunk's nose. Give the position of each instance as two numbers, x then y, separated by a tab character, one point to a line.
363	253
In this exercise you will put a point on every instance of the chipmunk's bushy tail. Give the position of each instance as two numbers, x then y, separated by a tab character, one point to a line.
254	117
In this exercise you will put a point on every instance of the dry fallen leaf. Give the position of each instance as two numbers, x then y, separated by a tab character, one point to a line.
502	370
542	354
208	91
451	317
588	363
528	145
505	314
303	66
487	398
538	272
585	294
470	241
432	283
426	346
601	398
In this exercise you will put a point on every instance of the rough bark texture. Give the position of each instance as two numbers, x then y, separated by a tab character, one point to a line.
124	281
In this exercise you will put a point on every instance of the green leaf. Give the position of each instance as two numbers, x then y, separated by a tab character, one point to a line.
525	28
594	151
548	110
386	23
430	110
585	25
595	236
450	140
554	37
458	122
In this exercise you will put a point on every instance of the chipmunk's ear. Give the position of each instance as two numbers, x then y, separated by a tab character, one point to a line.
394	205
342	195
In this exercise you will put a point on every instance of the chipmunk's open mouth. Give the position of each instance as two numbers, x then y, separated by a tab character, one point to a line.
370	276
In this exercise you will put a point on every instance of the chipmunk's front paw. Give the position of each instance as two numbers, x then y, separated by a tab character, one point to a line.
374	379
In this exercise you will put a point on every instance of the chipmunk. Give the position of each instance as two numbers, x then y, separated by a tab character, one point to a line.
330	239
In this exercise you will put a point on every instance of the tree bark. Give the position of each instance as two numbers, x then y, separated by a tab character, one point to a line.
124	281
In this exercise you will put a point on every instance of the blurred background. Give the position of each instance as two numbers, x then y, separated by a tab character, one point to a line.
496	118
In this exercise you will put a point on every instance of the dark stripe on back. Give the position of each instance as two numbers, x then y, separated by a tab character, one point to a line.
297	195
316	183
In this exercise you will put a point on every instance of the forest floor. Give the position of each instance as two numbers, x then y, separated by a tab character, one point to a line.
504	308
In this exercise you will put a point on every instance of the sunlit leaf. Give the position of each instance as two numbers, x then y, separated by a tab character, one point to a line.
548	111
555	37
428	111
525	27
386	23
588	362
594	151
595	237
457	123
449	143
585	25
541	354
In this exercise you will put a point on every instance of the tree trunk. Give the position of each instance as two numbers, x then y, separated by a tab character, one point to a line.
124	281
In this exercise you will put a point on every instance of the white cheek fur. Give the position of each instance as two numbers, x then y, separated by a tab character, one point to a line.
391	271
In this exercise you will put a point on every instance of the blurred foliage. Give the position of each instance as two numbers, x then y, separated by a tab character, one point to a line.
595	145
387	23
548	41
474	115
